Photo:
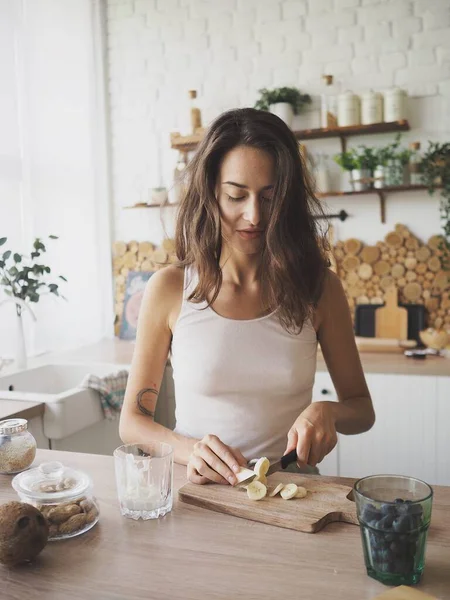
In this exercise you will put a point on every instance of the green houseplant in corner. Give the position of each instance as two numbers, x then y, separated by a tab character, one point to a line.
24	280
435	170
285	102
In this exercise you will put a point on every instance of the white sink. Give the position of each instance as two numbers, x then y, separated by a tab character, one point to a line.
50	379
73	417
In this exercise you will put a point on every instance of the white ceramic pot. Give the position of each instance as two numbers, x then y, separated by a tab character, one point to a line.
158	195
283	110
371	108
348	109
394	105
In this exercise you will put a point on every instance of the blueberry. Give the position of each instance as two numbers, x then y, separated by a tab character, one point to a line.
384	567
402	524
388	509
396	547
386	522
415	509
399	501
370	513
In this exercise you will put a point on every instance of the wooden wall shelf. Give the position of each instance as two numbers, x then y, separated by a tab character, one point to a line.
381	192
189	143
164	205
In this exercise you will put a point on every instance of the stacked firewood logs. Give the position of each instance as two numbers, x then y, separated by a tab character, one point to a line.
419	271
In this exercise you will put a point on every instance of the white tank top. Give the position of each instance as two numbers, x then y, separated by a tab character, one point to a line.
245	381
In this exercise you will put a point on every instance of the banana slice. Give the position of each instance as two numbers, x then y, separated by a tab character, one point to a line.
289	491
276	490
256	490
301	492
262	479
244	474
261	466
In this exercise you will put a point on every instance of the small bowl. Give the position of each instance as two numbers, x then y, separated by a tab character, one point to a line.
436	339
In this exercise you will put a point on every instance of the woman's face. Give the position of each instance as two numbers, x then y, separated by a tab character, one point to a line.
244	191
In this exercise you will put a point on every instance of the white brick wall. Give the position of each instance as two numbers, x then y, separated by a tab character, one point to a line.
228	49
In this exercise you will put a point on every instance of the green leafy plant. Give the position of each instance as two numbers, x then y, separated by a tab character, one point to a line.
435	170
292	96
346	160
362	157
23	277
393	152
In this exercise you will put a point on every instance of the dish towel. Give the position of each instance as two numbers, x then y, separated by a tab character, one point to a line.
111	390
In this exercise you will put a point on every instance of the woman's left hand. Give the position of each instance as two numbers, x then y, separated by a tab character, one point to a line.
313	434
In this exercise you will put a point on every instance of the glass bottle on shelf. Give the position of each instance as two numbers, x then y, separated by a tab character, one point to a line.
415	175
178	178
321	173
195	114
328	110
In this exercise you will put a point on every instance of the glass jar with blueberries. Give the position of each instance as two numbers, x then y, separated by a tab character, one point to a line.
394	513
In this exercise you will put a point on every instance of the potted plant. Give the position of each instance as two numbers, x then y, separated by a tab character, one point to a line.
391	164
285	102
361	163
435	170
24	280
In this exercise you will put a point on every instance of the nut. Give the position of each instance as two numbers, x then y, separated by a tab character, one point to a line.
86	505
62	513
73	524
53	531
91	515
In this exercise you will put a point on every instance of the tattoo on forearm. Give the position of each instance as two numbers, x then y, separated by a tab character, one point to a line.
139	399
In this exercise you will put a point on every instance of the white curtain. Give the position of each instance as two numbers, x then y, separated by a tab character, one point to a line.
53	164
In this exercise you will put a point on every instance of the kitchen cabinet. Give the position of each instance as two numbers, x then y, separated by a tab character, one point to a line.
409	436
443	431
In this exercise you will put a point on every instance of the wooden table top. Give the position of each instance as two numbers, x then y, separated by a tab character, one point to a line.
196	554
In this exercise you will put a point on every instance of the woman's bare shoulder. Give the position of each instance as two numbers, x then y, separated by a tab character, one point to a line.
165	292
332	298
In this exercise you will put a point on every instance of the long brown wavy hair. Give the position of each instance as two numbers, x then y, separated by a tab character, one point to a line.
293	261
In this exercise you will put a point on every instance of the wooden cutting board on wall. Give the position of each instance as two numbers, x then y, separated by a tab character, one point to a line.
325	503
391	320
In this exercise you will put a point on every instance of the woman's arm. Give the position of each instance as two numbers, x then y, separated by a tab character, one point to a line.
160	306
314	433
354	412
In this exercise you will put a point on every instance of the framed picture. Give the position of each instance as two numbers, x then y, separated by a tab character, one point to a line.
134	291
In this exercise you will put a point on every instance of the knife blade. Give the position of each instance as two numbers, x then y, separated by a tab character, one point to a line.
278	465
284	461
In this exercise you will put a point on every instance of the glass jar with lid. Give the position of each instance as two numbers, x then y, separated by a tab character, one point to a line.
17	446
63	495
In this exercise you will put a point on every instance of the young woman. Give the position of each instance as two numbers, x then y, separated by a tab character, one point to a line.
243	311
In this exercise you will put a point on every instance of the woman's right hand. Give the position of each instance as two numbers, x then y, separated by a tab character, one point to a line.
214	461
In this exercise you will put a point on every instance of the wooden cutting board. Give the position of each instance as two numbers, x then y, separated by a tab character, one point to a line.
325	503
404	593
391	320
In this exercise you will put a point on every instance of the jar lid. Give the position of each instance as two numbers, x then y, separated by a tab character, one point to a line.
51	482
9	426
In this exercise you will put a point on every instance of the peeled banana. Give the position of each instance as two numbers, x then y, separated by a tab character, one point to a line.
261	467
256	490
289	491
276	490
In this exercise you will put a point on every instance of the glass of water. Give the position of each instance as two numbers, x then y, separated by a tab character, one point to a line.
144	477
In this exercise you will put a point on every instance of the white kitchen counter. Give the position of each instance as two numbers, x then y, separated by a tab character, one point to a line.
120	352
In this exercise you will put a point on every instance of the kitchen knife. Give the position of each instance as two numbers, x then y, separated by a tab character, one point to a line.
278	465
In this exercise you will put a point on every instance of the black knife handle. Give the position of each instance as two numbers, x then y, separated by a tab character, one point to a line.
289	458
